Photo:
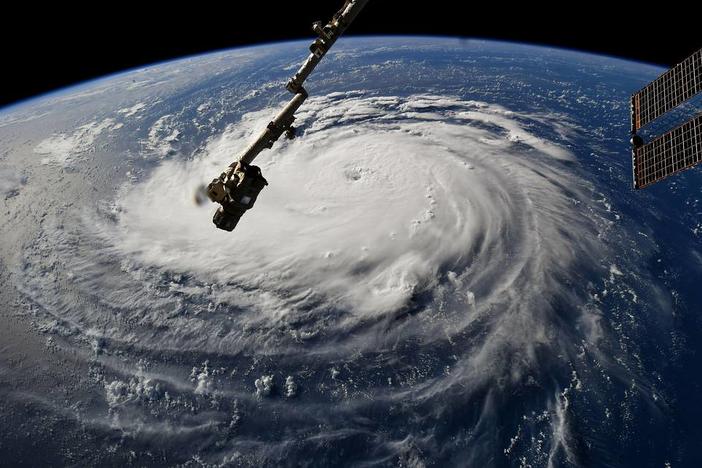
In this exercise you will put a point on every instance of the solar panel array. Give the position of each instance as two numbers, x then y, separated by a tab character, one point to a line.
679	149
668	91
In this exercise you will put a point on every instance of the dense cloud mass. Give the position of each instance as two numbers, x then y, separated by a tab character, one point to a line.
391	221
414	260
381	202
11	181
375	204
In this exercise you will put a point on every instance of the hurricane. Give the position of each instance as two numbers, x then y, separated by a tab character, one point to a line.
417	263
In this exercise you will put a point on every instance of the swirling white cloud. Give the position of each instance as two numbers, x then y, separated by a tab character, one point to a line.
381	199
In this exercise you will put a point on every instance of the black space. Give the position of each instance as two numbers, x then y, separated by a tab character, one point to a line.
49	47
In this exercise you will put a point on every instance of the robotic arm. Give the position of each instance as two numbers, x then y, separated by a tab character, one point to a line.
237	188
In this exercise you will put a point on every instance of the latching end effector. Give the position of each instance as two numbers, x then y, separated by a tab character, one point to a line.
236	190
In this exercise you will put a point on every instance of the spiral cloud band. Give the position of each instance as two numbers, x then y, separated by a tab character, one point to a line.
371	206
408	250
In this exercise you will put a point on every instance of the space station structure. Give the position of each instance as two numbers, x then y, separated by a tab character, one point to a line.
238	187
666	123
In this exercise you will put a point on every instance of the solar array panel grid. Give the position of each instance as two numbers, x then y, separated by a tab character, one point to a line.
679	149
671	89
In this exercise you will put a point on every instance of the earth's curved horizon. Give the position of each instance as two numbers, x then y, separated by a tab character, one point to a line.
448	268
29	100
